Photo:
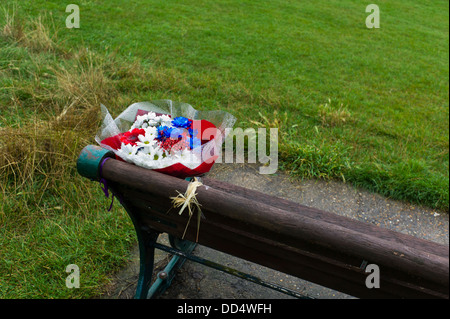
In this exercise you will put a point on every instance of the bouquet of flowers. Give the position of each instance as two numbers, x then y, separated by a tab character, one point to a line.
166	136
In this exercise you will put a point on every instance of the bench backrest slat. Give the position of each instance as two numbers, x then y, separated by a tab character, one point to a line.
258	218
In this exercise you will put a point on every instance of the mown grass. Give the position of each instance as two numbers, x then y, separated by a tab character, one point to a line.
369	107
296	57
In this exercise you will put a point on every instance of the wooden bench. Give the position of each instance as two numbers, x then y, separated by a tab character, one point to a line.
308	243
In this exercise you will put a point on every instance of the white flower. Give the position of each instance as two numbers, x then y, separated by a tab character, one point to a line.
151	131
158	154
145	121
187	157
138	122
166	119
143	157
149	139
127	151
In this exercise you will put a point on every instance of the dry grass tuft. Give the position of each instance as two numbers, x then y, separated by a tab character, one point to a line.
37	151
39	38
40	150
276	120
12	29
36	36
81	88
333	114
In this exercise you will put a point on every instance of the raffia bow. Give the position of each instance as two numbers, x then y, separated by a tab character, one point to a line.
189	200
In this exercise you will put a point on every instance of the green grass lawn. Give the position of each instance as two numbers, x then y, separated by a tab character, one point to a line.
293	57
367	106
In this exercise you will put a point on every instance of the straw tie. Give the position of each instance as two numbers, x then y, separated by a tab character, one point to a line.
189	200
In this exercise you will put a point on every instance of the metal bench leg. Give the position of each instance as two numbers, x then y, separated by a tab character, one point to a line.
146	239
164	278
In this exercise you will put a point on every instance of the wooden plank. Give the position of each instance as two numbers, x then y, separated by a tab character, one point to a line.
264	223
242	242
373	230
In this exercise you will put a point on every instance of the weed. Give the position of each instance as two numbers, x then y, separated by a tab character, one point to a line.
12	29
333	114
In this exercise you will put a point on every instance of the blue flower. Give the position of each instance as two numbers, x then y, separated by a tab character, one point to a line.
181	121
164	132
